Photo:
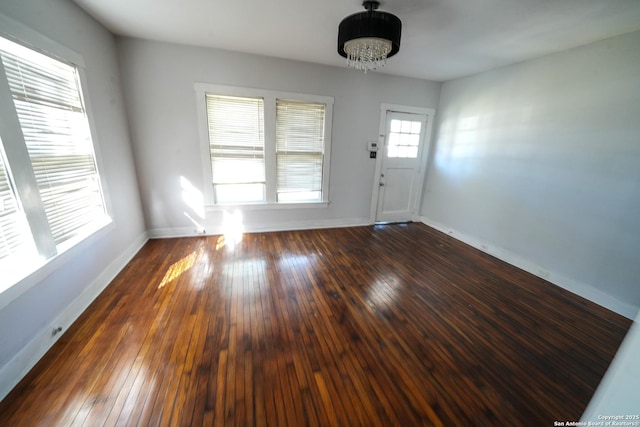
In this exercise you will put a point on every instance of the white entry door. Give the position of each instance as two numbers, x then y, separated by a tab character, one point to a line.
403	162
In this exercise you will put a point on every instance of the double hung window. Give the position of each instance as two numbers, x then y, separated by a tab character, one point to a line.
50	192
236	134
299	150
265	147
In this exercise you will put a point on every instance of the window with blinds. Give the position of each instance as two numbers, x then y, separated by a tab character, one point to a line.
51	147
299	151
236	144
56	132
265	147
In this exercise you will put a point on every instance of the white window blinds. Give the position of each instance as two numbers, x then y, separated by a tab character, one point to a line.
49	106
299	150
14	233
236	143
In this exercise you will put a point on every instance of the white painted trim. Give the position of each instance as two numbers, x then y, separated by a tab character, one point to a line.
581	289
266	206
46	267
375	188
26	36
26	359
166	233
205	153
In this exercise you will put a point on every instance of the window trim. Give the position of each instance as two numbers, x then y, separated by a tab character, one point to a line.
21	34
270	97
42	268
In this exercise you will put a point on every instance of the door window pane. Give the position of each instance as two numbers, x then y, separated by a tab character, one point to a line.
404	139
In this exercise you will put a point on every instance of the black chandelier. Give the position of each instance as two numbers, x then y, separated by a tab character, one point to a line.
368	38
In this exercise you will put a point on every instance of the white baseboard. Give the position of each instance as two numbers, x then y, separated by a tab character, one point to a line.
26	359
165	233
582	289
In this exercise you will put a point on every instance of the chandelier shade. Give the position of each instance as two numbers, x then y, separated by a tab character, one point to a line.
368	38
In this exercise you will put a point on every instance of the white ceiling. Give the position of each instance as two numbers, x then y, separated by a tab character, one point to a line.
441	39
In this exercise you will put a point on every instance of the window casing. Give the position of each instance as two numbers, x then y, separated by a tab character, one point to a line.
50	191
274	150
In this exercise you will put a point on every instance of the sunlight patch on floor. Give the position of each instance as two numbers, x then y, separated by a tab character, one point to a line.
178	268
232	229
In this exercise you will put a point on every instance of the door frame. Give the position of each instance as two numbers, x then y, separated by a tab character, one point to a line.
382	129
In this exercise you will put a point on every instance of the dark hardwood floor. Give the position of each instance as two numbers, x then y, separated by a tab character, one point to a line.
396	325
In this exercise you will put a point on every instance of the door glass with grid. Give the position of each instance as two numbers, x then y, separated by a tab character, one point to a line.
404	138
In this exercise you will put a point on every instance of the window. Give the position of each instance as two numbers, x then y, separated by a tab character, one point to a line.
299	150
236	138
50	192
264	147
404	139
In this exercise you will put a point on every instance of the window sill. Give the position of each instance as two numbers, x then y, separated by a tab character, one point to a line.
24	279
265	206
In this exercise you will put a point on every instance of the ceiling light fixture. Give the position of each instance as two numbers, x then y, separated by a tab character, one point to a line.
368	38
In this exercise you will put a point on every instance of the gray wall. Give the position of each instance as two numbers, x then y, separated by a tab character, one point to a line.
161	104
55	299
539	163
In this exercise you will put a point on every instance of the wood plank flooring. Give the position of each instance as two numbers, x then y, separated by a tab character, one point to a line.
366	326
